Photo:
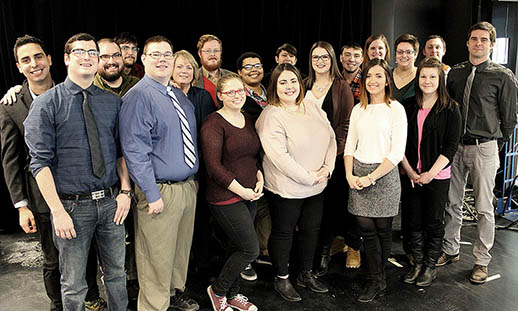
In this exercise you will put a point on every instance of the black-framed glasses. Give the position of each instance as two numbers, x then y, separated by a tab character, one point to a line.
324	57
209	51
233	93
407	52
158	55
81	52
249	67
126	48
106	57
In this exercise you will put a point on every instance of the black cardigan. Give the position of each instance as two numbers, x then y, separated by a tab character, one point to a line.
441	134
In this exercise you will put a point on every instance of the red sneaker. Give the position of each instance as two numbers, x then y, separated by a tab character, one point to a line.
241	303
218	303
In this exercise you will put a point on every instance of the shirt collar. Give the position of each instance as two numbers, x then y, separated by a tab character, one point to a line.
155	84
76	89
209	75
480	66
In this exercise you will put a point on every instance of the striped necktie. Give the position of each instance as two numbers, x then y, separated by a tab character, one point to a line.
189	150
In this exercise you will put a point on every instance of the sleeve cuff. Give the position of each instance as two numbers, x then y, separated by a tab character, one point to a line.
21	203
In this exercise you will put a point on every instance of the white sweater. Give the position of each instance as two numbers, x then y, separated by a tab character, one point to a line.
376	133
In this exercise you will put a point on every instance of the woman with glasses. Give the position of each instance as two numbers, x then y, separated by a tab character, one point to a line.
434	129
299	156
230	148
407	49
375	145
326	88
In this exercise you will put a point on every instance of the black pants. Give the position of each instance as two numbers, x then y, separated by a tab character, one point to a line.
237	221
424	207
377	242
336	219
51	275
286	214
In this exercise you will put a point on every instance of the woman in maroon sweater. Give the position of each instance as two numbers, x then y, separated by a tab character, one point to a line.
231	147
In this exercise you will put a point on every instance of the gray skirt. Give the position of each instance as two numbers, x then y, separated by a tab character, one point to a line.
379	200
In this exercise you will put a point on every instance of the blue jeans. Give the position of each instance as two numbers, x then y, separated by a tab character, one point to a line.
92	219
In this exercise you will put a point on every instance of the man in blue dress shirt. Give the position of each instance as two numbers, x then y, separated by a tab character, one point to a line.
158	137
78	177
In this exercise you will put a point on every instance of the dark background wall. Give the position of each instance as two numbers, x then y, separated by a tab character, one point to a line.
259	26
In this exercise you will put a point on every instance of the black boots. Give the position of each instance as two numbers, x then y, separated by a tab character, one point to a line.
374	286
325	258
426	278
411	276
309	280
286	290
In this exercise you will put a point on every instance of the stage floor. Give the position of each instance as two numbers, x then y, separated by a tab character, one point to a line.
21	285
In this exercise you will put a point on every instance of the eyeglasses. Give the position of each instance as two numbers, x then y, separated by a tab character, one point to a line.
233	93
106	57
209	51
81	52
250	66
126	48
158	55
316	58
407	52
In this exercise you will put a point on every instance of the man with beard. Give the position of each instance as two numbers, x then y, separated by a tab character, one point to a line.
129	48
110	75
351	58
209	51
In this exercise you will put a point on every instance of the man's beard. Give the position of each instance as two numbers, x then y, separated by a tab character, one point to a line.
210	66
110	77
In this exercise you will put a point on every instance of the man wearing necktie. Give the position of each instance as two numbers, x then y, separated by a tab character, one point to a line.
486	93
72	135
158	137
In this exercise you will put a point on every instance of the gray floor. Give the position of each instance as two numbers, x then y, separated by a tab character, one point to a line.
21	286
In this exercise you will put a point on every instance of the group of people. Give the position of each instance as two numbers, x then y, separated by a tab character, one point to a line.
291	163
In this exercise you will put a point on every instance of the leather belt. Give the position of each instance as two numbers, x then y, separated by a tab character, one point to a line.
96	195
475	141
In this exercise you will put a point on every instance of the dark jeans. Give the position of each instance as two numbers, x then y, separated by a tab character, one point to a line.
336	219
92	220
51	275
424	209
286	214
237	221
377	242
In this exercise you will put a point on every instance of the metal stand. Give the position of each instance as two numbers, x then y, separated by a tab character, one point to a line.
505	202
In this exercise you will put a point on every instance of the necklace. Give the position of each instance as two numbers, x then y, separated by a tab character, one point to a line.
398	73
323	87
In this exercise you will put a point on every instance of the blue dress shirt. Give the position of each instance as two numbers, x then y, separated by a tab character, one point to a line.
55	133
151	136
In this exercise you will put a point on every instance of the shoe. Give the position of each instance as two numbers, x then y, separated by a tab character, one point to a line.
446	259
308	279
426	278
241	303
479	274
413	274
180	301
249	273
371	290
98	304
286	290
353	258
218	303
338	246
264	260
323	268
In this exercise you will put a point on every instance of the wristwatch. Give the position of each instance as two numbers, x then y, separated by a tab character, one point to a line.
129	193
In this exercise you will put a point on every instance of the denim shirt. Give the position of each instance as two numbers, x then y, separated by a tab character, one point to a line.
55	133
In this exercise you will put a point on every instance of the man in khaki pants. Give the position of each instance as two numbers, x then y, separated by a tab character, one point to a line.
158	135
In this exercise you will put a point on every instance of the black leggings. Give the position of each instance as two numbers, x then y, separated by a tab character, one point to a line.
286	214
377	241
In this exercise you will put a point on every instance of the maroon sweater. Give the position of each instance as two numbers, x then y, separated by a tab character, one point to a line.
230	153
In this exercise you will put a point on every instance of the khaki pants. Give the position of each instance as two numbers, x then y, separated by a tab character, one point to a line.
163	243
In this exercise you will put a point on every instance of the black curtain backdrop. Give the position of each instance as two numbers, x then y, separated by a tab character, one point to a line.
259	26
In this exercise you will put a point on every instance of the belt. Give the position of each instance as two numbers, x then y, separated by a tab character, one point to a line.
169	182
96	195
475	141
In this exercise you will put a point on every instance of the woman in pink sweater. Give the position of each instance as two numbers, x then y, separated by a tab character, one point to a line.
300	149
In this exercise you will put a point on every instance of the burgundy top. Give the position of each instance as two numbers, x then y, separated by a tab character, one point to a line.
230	153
